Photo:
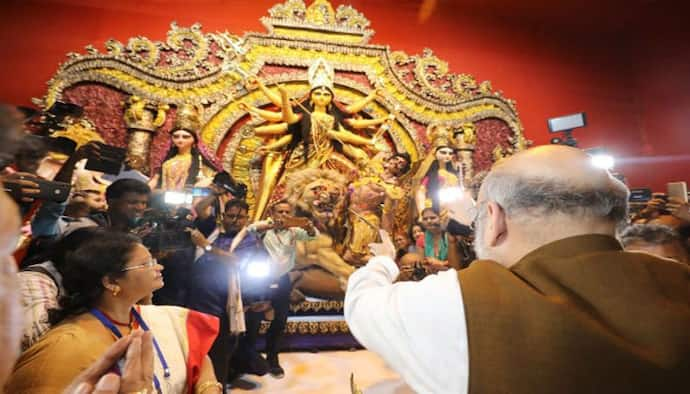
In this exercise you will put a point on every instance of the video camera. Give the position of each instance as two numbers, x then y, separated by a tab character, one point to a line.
163	230
222	180
226	182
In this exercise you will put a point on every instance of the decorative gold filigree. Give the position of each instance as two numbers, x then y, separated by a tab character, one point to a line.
295	19
318	306
208	68
188	59
311	327
321	13
429	77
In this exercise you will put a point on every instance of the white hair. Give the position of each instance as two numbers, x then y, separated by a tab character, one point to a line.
535	197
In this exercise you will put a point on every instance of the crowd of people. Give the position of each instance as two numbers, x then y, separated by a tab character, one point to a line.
553	287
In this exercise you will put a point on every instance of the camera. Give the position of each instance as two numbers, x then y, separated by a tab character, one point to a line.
165	231
225	181
418	273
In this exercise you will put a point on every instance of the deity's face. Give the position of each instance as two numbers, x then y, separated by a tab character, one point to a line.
182	139
321	97
444	154
396	165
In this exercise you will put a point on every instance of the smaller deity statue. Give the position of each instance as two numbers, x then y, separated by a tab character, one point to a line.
372	201
438	171
465	140
187	163
142	118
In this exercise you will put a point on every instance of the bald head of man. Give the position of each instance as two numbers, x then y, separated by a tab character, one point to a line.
541	195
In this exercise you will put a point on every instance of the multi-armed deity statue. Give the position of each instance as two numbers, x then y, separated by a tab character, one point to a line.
313	132
358	136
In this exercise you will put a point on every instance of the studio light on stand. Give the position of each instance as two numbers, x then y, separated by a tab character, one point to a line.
565	124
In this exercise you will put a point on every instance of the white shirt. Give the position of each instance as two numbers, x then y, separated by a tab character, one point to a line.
419	328
282	244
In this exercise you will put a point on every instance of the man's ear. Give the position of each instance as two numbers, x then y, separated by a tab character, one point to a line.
497	228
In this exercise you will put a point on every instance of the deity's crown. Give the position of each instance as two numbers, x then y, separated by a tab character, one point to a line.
439	135
188	117
321	74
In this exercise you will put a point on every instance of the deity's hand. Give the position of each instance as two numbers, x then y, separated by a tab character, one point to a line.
252	83
379	144
261	151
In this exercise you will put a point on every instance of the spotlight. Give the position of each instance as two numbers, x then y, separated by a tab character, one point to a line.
449	194
258	269
177	198
601	158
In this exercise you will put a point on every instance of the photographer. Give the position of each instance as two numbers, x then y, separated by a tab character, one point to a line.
127	200
666	211
280	235
212	276
50	220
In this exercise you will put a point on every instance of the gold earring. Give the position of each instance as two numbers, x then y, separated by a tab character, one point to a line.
116	291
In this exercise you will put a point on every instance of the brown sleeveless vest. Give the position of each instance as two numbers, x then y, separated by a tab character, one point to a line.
578	315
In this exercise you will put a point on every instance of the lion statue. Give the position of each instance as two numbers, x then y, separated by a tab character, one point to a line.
320	195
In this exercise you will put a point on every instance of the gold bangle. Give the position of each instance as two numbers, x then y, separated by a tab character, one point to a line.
207	385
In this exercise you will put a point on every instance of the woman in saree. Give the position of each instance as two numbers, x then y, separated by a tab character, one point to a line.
104	278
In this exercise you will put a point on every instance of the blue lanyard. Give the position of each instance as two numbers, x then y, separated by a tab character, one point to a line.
111	326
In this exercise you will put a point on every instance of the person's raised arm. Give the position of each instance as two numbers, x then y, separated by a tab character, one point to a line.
417	327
